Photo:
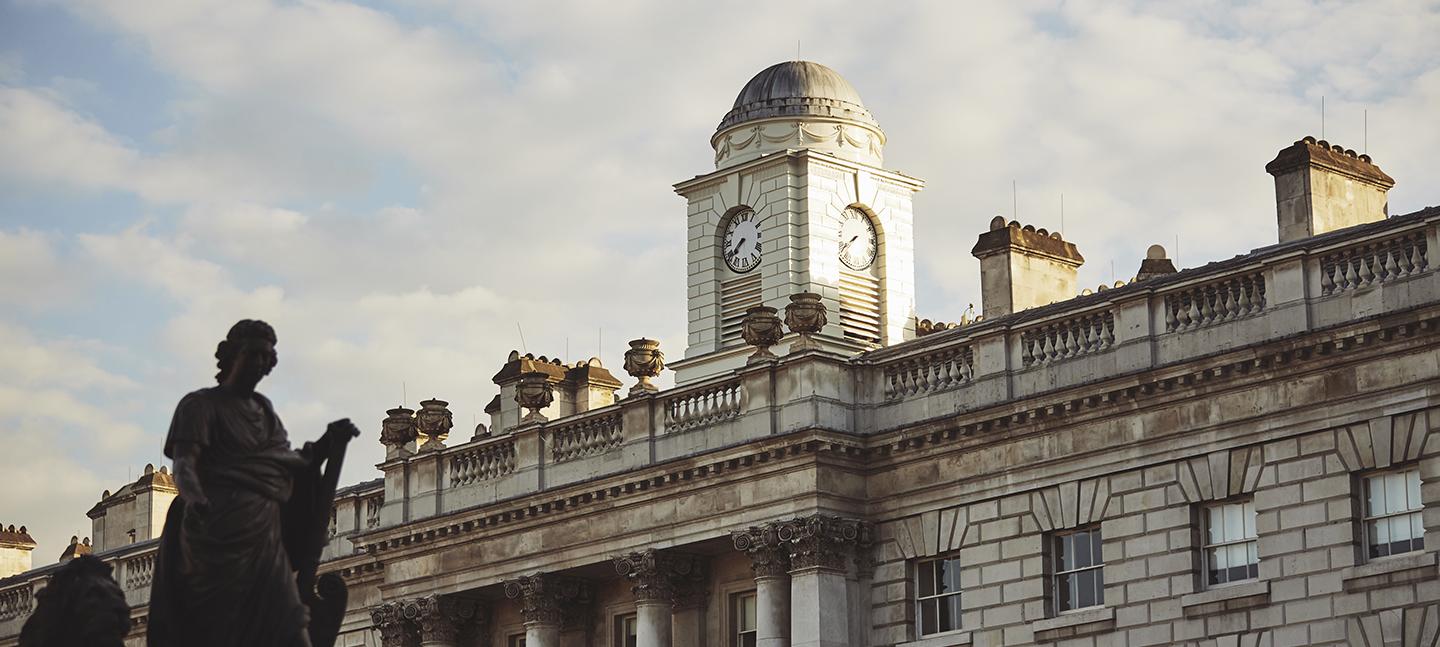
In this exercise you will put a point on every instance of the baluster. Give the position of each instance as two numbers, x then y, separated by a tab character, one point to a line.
1352	279
1366	258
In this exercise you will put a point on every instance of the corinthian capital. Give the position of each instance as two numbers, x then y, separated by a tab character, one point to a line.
395	630
441	618
822	541
768	555
661	575
551	599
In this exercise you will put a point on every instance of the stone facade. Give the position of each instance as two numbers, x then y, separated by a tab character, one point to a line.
1240	454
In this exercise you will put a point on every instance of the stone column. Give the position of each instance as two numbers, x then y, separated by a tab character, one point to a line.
770	562
549	603
820	548
656	576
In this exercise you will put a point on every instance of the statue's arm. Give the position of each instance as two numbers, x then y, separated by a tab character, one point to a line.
187	478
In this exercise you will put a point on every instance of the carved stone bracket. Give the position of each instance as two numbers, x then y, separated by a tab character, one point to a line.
551	599
769	557
823	541
664	576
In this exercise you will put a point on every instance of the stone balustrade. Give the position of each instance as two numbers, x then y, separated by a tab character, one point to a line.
695	408
482	461
587	436
1278	291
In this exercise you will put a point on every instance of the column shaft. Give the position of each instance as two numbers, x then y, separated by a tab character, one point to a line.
819	609
772	609
653	620
539	634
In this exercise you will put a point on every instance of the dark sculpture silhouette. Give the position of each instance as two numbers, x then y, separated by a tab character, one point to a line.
242	542
82	606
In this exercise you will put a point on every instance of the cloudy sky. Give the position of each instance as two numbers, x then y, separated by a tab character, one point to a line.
396	186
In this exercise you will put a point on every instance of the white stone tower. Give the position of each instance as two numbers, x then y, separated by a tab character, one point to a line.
798	202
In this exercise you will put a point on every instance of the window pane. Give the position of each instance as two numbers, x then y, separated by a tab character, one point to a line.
1214	525
1082	549
1085	596
1374	496
1096	555
1417	527
746	640
952	575
1064	561
929	617
1412	487
926	572
1394	492
949	612
1249	516
1064	592
745	612
1234	522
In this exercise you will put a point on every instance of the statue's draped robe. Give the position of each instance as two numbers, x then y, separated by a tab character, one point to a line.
225	579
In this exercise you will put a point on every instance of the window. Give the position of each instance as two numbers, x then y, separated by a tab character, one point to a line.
1079	570
1230	543
937	596
517	640
742	614
1392	514
625	630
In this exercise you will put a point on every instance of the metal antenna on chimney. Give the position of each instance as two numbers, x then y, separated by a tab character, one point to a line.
522	337
1062	215
1322	116
404	393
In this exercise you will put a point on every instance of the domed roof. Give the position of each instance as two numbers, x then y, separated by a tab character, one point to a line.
797	89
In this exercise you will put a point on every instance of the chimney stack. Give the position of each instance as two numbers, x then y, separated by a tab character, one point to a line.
1023	267
1321	187
16	545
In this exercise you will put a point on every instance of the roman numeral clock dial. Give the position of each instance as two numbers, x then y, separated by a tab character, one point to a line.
858	243
741	246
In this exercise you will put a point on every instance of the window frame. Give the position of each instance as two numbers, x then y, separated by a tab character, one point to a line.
1253	541
1417	543
735	632
617	628
1054	559
918	599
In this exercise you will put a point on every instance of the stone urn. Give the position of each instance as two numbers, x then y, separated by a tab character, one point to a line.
762	329
644	361
398	429
434	421
534	392
805	316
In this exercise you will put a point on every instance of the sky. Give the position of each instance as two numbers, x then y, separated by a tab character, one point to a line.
405	189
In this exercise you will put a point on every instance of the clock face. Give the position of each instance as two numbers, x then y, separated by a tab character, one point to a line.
858	244
742	242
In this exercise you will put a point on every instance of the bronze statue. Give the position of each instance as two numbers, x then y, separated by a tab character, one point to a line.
82	605
242	541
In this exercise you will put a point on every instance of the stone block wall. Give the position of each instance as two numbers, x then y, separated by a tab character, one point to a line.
1315	586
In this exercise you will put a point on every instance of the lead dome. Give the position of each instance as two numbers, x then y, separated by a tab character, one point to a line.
797	88
798	105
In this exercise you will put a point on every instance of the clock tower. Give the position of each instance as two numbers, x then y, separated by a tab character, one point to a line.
798	202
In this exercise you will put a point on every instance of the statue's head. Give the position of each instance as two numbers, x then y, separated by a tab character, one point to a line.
248	352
